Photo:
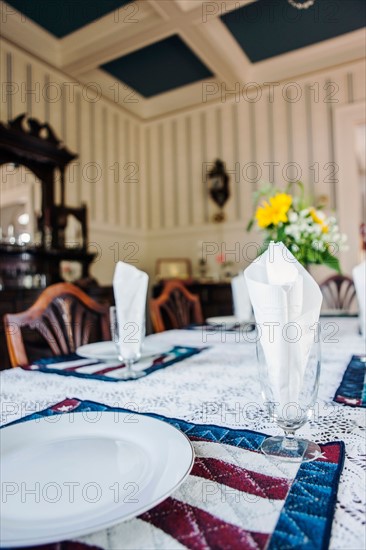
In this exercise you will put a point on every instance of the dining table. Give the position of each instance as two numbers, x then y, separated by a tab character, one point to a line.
220	387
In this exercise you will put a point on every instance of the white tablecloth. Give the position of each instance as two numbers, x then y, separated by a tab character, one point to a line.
220	386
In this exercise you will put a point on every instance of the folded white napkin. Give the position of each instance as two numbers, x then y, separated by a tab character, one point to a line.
242	305
130	290
359	278
286	302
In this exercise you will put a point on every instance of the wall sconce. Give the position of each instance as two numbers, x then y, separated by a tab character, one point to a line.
218	187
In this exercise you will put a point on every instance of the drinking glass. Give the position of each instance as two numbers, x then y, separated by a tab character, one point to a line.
289	376
128	359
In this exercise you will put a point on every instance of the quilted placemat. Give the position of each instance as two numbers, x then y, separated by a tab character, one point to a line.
352	390
234	497
74	365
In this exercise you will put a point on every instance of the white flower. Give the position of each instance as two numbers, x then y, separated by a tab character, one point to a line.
320	214
293	217
304	213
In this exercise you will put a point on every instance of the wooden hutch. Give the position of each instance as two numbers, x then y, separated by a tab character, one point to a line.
26	269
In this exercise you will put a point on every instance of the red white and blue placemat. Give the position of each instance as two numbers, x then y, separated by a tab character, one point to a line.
352	390
74	365
234	498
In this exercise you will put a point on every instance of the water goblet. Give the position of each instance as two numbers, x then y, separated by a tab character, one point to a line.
127	354
289	376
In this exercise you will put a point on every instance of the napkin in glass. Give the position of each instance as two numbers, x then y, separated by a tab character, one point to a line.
241	300
130	291
286	302
359	278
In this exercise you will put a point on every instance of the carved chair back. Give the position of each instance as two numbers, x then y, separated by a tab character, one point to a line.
61	319
175	308
338	292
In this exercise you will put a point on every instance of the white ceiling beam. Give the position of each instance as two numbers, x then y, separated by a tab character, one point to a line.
182	98
101	55
18	29
223	43
111	37
202	44
84	52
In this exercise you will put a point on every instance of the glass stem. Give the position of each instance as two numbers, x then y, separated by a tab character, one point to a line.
289	441
128	363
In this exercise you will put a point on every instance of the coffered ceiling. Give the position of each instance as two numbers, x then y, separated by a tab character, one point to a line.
157	56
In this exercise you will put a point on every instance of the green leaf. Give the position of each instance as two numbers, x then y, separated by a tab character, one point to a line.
250	225
281	235
331	261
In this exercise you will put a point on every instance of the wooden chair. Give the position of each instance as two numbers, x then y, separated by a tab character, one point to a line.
62	318
175	308
338	293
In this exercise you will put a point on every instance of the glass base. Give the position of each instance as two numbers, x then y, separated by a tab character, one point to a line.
290	449
133	374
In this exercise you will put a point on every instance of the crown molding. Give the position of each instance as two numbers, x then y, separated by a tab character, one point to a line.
81	53
17	28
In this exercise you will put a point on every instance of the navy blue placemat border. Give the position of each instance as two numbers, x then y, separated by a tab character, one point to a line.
352	389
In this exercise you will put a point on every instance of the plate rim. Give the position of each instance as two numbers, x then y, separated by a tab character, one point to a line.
230	318
93	356
110	357
79	532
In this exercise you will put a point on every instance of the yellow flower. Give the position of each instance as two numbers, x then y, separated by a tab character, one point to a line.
317	219
275	211
280	205
263	215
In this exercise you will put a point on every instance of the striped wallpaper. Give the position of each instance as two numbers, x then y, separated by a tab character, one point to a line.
146	180
106	174
275	139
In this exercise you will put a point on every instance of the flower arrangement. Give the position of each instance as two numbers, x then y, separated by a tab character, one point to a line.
311	236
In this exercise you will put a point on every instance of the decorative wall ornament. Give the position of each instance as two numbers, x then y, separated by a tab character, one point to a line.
218	186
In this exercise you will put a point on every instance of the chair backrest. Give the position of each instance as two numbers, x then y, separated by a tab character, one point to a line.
338	292
175	308
62	318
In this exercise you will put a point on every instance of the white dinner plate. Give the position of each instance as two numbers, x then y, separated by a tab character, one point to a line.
74	474
107	351
228	321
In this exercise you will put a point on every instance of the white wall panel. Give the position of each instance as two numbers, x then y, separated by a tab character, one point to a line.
261	135
182	183
19	79
359	81
300	169
155	180
227	153
240	111
199	197
212	153
168	175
